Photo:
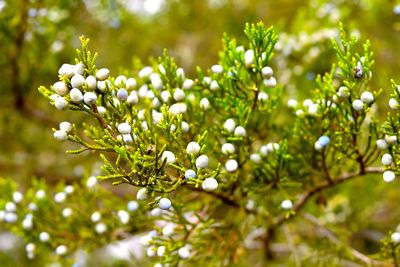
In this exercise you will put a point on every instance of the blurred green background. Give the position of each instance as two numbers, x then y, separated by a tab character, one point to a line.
37	37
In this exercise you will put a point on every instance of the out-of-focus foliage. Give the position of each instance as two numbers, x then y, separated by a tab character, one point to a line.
36	37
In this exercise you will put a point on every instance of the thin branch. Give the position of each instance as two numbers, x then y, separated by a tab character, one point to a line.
227	200
331	236
343	178
100	119
325	168
395	262
16	87
253	107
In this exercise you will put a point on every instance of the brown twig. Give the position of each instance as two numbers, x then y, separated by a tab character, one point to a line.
326	170
100	119
343	178
253	107
226	199
16	87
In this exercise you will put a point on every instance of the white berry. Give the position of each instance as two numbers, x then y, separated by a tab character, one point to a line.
230	125
270	82
313	109
395	237
95	217
133	205
209	184
66	212
32	206
151	251
40	194
204	104
178	108
91	182
391	139
133	98
60	103
30	247
124	128
218	69
44	237
388	176
287	204
101	110
60	135
77	81
185	127
381	144
292	103
89	98
231	165
100	228
255	157
168	157
66	70
249	58
11	207
165	96
27	224
307	102
357	104
60	88
120	81
164	203
79	68
61	250
103	85
130	84
156	81
262	96
367	97
10	217
179	94
180	73
188	84
214	86
240	131
123	216
102	74
17	197
193	148
344	92
393	104
145	72
184	253
387	159
142	194
202	162
190	174
228	148
76	95
267	72
65	126
91	82
161	251
169	229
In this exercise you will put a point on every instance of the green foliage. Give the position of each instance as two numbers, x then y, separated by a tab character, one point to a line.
148	150
230	154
